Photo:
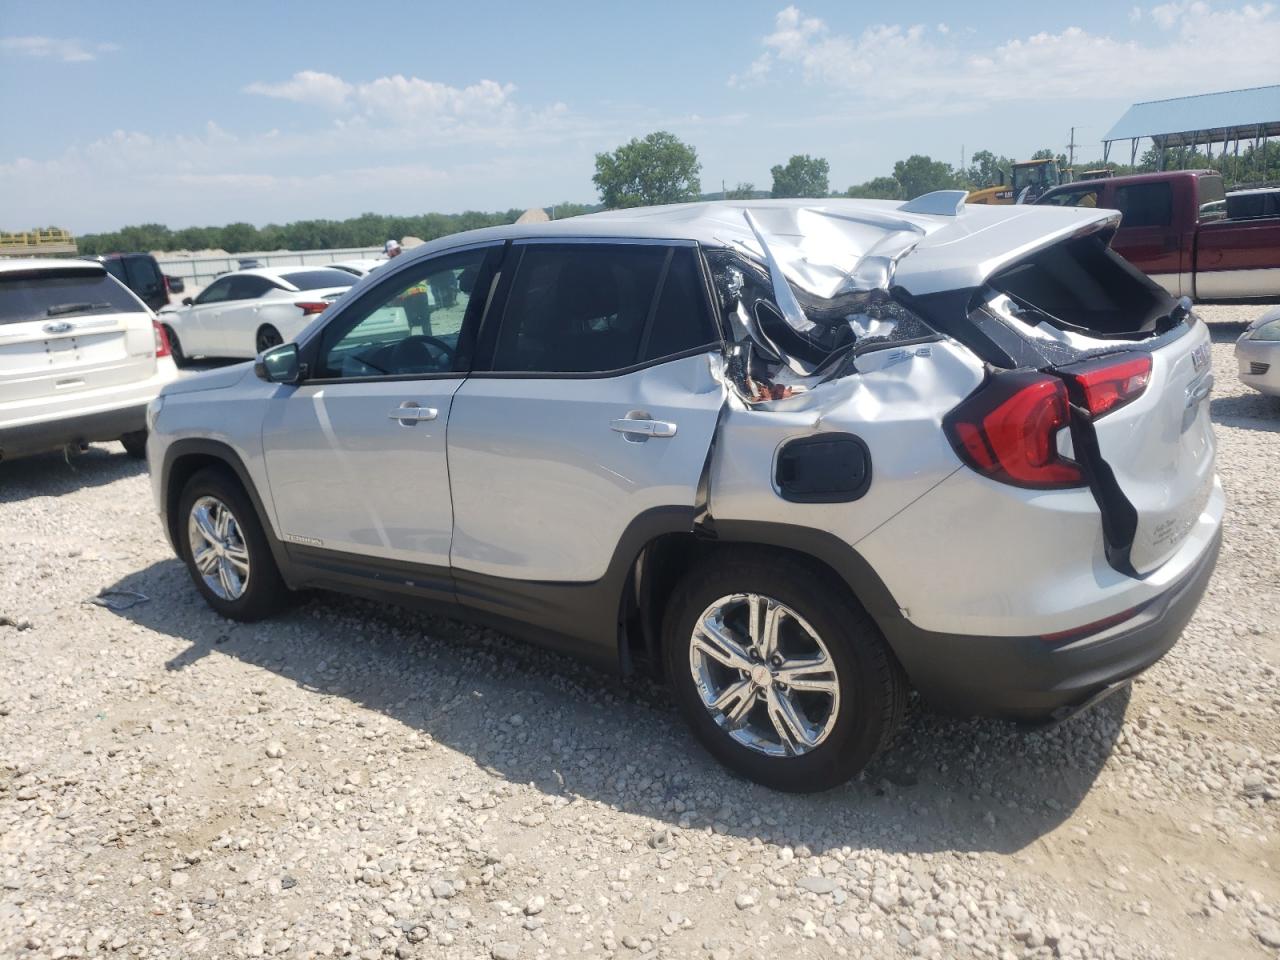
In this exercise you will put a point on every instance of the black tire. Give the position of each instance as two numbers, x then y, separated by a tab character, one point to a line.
175	347
135	444
268	337
265	592
871	683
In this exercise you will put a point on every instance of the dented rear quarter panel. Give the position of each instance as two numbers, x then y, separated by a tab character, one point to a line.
895	403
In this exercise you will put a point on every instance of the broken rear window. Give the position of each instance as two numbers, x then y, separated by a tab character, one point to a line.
1083	284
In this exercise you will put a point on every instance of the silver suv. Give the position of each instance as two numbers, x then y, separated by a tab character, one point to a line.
797	457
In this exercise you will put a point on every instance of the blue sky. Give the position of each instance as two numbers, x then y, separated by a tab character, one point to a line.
133	112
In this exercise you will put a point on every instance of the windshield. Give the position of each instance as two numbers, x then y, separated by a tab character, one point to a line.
316	279
56	294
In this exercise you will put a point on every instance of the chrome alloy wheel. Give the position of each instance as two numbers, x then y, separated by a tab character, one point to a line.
764	675
218	548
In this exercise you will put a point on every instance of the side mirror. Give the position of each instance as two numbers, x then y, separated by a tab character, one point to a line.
279	364
186	301
175	284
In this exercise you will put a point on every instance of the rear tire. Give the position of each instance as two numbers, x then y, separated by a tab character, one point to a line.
268	337
135	444
230	562
845	710
175	347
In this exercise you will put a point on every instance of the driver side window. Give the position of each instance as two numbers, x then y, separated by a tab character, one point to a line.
216	291
409	325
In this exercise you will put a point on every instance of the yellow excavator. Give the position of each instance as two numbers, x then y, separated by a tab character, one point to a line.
1030	179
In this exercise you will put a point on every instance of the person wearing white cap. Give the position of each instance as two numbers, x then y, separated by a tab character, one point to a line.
392	249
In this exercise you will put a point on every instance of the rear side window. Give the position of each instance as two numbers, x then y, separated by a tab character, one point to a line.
116	269
142	274
681	320
1145	205
316	279
249	287
54	295
1250	206
1073	198
593	308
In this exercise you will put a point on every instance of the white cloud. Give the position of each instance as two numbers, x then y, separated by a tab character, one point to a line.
66	49
1197	47
308	86
395	99
400	98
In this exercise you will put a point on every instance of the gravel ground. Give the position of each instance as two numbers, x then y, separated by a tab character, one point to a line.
352	780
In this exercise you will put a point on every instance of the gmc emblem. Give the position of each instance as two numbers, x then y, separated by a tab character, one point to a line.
1201	357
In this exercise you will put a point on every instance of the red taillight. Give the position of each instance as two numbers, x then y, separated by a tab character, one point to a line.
162	341
1008	430
1107	383
311	307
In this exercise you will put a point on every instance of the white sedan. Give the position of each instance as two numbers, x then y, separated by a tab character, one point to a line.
1258	354
243	313
359	268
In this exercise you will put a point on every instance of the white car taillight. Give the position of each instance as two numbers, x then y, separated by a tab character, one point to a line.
162	341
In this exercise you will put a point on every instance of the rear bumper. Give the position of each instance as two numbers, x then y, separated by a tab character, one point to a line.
1028	678
44	435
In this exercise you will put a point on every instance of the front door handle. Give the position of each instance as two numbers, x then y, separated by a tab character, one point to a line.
643	428
409	413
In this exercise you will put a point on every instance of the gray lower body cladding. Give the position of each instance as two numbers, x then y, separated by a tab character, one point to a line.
1032	679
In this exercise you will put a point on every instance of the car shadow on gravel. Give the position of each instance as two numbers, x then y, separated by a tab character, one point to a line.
55	474
535	717
1224	332
1247	411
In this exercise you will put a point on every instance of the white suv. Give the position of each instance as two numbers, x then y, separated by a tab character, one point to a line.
795	456
80	358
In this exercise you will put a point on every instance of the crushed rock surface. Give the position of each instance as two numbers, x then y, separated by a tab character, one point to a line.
357	780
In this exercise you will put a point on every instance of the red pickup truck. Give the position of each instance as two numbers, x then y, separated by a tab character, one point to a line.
1174	229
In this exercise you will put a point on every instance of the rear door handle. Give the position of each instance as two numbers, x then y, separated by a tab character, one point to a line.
644	428
409	413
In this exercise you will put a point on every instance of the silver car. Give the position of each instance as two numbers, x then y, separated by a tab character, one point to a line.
797	457
1258	354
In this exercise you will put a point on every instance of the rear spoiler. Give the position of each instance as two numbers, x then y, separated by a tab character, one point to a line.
956	259
55	273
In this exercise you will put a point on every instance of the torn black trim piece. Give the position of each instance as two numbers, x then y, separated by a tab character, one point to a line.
1119	518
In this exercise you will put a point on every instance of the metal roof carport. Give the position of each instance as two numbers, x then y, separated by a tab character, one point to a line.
1208	118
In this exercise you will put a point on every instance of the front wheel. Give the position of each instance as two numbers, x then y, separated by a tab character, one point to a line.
225	549
783	676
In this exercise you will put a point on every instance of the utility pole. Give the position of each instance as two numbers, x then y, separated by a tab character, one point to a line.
1071	149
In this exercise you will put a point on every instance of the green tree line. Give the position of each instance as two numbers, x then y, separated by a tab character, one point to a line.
658	168
919	174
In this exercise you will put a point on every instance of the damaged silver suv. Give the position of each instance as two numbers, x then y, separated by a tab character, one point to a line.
796	457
